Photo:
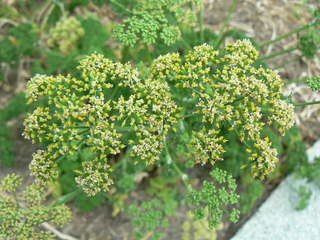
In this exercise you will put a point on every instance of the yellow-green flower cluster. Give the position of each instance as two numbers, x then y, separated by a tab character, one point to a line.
10	183
66	34
207	146
112	109
106	111
22	213
229	91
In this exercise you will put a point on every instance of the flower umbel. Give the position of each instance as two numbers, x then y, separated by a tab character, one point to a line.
22	213
112	109
66	34
104	112
228	91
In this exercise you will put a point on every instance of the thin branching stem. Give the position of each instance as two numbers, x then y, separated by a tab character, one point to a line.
123	160
66	198
46	225
226	22
122	7
200	20
301	80
276	54
305	104
286	63
288	34
183	175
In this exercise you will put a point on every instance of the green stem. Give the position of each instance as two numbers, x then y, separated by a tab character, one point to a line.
168	155
189	115
305	104
114	92
115	2
182	40
226	22
184	176
123	159
276	54
237	100
200	20
179	171
302	80
185	44
61	6
66	198
45	18
124	129
297	30
84	131
285	63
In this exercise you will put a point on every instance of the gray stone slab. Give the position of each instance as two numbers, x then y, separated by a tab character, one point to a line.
277	218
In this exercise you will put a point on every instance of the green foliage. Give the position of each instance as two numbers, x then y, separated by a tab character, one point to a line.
213	198
9	12
22	213
127	183
314	83
68	184
221	111
148	219
153	118
25	37
72	4
88	110
14	108
235	155
65	35
253	191
8	51
309	42
165	188
2	77
316	12
295	151
305	195
91	37
291	147
310	171
55	62
147	112
7	155
87	203
153	20
188	40
20	41
95	38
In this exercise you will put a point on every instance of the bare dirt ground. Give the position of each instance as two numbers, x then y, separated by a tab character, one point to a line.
261	19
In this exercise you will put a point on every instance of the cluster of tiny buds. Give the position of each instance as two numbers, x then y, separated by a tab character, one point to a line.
314	83
112	108
66	34
150	22
93	114
230	91
23	212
